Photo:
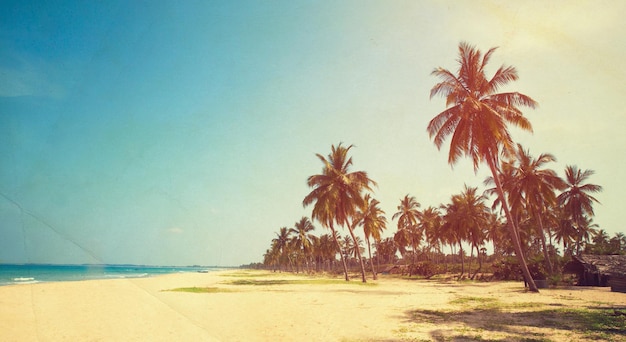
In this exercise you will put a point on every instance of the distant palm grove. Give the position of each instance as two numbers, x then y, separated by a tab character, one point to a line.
533	219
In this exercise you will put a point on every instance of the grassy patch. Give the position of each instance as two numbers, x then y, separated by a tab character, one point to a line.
320	281
248	274
482	301
488	314
200	290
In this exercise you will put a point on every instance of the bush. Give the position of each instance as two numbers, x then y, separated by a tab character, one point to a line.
506	269
425	269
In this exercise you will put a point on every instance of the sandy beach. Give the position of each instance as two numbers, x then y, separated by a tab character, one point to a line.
240	305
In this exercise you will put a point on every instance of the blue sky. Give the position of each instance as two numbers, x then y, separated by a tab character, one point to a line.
183	132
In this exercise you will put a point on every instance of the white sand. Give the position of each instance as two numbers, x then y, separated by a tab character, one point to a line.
140	309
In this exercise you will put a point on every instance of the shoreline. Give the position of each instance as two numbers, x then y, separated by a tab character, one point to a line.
247	305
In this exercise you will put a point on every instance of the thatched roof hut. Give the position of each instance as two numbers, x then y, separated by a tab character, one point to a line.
599	270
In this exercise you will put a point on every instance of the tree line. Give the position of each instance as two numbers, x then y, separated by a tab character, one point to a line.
527	208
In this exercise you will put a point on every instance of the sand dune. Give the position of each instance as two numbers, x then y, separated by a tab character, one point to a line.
284	307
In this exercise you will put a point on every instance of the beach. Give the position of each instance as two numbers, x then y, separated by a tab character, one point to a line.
242	305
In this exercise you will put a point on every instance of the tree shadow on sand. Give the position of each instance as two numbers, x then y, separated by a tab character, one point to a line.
486	319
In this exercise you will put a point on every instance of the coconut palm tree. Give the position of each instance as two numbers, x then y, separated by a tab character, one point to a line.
324	249
282	243
453	230
302	238
386	250
564	230
430	224
408	216
337	193
577	199
533	188
476	117
618	242
373	221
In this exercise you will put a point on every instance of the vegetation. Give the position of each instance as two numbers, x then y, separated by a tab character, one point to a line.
200	289
595	323
531	218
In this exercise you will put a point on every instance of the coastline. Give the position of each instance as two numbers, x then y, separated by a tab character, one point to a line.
247	305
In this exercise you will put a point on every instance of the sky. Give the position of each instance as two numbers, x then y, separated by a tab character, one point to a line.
180	133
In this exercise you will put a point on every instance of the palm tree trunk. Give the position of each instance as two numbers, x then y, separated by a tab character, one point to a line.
512	229
461	253
543	244
471	256
343	260
358	252
369	252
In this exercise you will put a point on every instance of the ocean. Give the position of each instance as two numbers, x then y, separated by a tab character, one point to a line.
12	274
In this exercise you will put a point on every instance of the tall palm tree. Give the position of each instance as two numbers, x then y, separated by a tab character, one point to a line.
282	243
408	216
303	238
467	218
324	249
477	117
577	199
373	221
564	230
618	242
337	193
453	230
534	189
353	247
386	250
430	224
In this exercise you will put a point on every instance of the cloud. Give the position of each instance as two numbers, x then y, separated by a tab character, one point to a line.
175	230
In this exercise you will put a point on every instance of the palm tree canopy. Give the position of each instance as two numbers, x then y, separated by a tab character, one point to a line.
577	198
337	191
467	217
372	218
532	185
281	240
302	237
476	114
408	213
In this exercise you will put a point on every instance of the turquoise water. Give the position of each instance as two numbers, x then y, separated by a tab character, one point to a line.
34	273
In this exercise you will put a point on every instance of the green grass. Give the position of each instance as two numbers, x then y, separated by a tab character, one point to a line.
317	281
474	301
593	323
248	274
200	290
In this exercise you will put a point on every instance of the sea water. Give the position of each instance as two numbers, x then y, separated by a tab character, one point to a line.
11	274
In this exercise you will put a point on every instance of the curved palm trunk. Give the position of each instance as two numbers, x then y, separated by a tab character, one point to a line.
358	253
343	260
512	229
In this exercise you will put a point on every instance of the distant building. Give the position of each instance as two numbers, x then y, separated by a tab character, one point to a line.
599	270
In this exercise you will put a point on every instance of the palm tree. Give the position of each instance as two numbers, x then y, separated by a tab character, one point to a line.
564	230
386	250
577	199
302	239
534	187
617	243
466	219
430	224
408	216
337	193
453	230
282	243
324	249
477	118
353	248
373	221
